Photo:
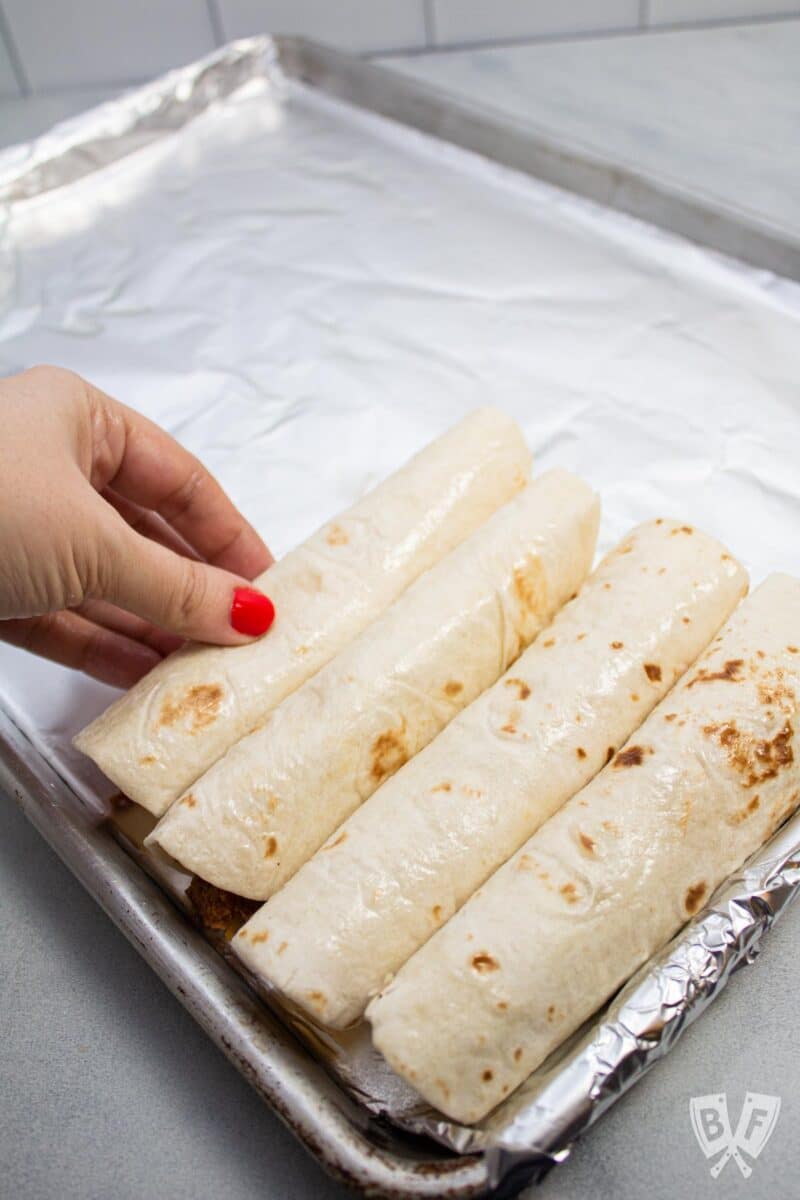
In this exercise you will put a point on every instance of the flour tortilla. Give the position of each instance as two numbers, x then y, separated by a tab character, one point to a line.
268	804
168	729
405	861
708	777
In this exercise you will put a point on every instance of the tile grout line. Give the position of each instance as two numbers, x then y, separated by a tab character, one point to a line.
14	56
429	19
215	17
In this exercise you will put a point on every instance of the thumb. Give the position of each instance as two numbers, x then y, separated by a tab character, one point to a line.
192	599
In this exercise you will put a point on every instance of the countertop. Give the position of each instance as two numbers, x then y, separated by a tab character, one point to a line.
110	1088
713	113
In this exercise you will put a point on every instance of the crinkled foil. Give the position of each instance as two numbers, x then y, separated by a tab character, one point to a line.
304	293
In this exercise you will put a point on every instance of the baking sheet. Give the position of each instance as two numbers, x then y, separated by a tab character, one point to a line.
304	293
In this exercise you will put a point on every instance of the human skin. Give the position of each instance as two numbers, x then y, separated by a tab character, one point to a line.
116	544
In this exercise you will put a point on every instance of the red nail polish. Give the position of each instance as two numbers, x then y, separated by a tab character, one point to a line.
252	612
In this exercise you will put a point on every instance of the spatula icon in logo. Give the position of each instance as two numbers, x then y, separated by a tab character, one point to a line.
712	1128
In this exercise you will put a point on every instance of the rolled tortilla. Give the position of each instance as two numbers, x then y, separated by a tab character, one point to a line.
268	804
612	876
405	861
161	735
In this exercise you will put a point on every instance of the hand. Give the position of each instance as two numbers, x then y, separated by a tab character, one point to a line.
115	542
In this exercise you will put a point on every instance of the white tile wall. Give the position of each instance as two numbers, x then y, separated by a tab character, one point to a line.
69	42
457	21
360	25
667	12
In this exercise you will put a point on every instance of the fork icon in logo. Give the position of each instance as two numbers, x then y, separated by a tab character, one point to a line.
712	1128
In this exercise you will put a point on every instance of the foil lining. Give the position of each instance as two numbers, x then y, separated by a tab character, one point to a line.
303	293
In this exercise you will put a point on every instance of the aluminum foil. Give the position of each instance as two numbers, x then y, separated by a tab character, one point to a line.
304	293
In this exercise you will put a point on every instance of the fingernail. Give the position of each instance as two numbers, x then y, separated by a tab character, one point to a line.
252	612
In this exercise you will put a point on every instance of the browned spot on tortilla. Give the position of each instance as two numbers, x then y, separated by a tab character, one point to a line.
528	584
502	1005
686	812
743	813
730	673
436	911
270	846
580	637
523	690
147	760
318	999
659	520
632	757
443	1088
607	587
670	716
443	787
336	536
341	838
756	759
389	752
524	862
483	963
189	800
549	642
793	649
761	654
617	645
686	620
610	754
282	947
725	558
518	1054
199	705
309	579
611	828
569	892
453	687
488	1075
694	897
773	689
257	938
635	697
653	672
509	728
218	911
581	753
551	1012
272	802
586	842
682	529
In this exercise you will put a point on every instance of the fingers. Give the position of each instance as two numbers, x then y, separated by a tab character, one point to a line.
188	598
99	612
143	464
73	641
149	524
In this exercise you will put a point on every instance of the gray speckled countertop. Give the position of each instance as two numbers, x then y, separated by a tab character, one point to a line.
108	1086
